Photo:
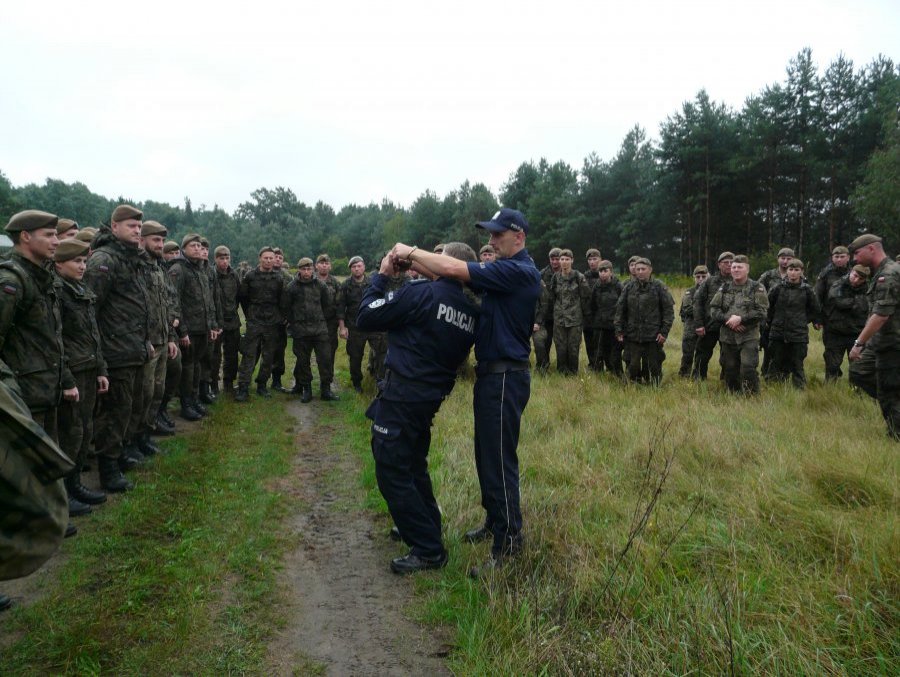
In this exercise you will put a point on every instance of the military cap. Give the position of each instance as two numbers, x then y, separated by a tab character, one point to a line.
153	228
64	225
592	252
323	257
221	250
487	248
190	237
277	251
643	260
605	265
566	252
31	219
701	269
740	258
840	249
862	271
204	242
727	255
864	241
86	234
632	259
69	249
438	248
305	261
554	252
354	259
265	249
795	263
170	246
786	251
125	212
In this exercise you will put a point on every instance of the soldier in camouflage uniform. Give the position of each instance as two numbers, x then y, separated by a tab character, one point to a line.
352	290
686	312
260	297
487	254
65	229
171	250
568	306
278	359
604	297
209	382
770	279
645	313
792	306
323	275
543	336
84	354
591	275
738	308
707	329
835	344
876	351
115	276
226	346
305	306
848	310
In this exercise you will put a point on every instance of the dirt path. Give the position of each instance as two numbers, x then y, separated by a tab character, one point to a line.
347	614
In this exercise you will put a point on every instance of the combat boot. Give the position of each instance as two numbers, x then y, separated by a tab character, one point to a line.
327	395
228	387
262	391
111	478
75	488
198	406
164	415
131	458
206	396
241	394
76	507
188	413
306	393
161	427
145	445
276	385
214	389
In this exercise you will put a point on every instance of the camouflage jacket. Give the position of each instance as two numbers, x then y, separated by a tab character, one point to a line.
686	310
748	301
569	300
215	293
334	290
114	275
644	310
604	297
81	335
770	278
848	308
792	307
159	295
31	343
884	297
703	299
260	297
191	281
827	277
305	305
349	298
229	284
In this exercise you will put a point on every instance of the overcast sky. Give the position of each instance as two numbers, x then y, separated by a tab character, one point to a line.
358	101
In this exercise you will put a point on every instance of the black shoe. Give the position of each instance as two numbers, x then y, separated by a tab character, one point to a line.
482	533
5	602
71	530
130	459
87	495
163	415
328	396
206	396
277	387
305	393
394	534
147	446
161	427
199	407
111	477
77	508
188	413
262	391
410	563
241	394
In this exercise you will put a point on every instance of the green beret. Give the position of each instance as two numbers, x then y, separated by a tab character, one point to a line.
31	219
153	228
862	271
190	237
487	249
840	249
729	255
795	263
439	248
566	252
125	212
64	225
554	252
170	246
86	234
592	252
642	260
740	258
605	265
786	251
864	241
222	250
70	248
265	249
701	270
354	259
305	261
323	257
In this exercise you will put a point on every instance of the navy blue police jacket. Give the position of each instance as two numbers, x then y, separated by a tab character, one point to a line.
511	287
430	329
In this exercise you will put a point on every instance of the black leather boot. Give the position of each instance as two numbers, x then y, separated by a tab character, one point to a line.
131	458
111	478
76	507
262	391
198	406
206	396
306	393
188	413
276	385
327	395
165	416
161	427
77	490
145	445
242	393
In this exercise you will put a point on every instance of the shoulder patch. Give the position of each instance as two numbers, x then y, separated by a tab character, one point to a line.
880	280
377	303
482	264
10	289
102	268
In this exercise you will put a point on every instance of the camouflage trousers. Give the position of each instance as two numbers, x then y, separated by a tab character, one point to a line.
568	347
259	342
356	347
878	375
609	352
76	419
173	376
155	379
787	361
645	360
703	353
192	357
543	340
740	362
592	347
303	349
688	348
278	357
112	424
225	355
836	347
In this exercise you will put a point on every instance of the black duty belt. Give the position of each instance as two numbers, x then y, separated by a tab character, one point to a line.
501	366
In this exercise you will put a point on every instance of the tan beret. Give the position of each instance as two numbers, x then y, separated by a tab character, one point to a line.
69	249
64	225
740	258
487	249
222	250
554	252
864	241
125	212
323	257
305	261
840	249
86	235
592	252
566	252
862	271
190	237
795	263
727	255
265	249
153	228
605	265
31	219
701	270
170	246
354	259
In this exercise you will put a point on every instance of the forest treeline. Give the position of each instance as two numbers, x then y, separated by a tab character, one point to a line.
808	162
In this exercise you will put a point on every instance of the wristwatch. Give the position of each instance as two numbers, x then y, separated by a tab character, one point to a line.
857	344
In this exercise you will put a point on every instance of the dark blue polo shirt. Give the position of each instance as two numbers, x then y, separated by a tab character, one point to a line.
511	288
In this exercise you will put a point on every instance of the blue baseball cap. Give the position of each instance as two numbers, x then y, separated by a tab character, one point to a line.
505	219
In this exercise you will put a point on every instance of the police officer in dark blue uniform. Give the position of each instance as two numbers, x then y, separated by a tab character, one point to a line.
430	329
510	288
